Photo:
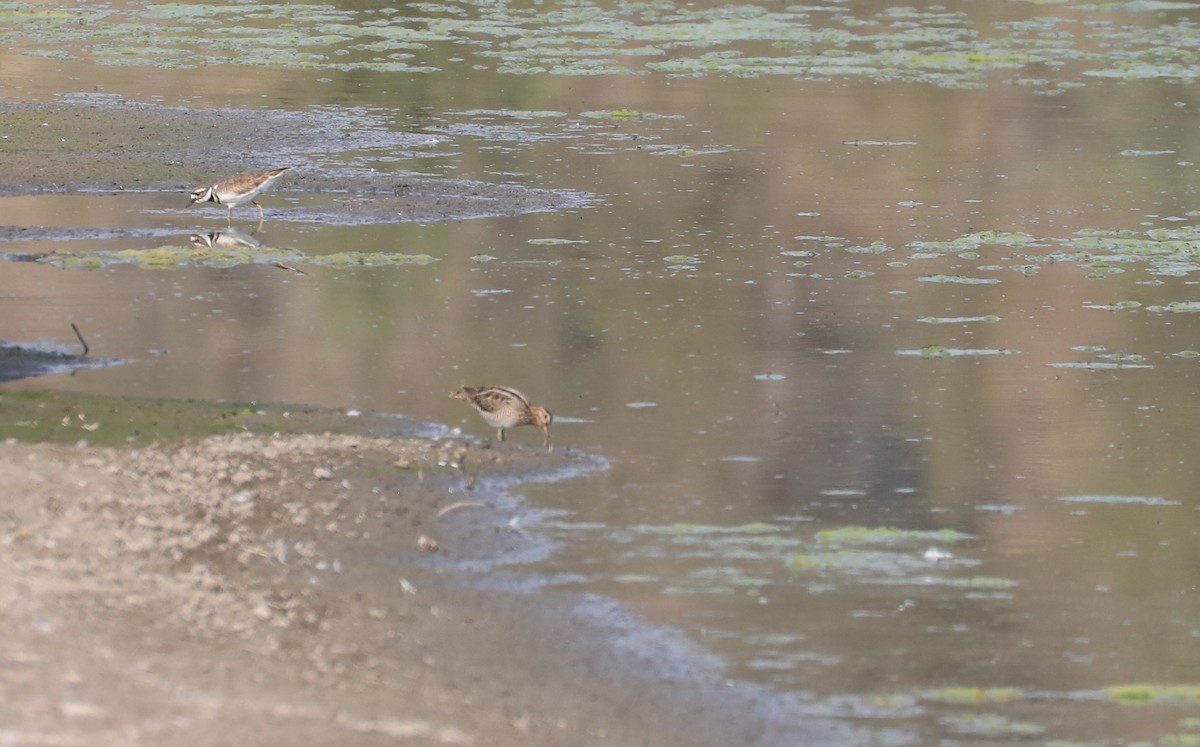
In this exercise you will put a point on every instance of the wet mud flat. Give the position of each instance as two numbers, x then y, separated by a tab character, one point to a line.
107	144
264	584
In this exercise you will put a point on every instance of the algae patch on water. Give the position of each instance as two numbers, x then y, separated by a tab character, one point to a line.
958	279
1101	253
877	43
179	257
628	114
895	557
555	242
932	352
987	319
1120	500
860	535
1177	307
1144	694
973	695
696	530
989	725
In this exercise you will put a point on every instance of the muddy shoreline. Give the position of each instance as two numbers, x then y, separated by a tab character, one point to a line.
106	144
179	576
257	589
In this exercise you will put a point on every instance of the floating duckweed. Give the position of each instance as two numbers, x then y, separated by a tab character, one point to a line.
1125	357
681	259
989	319
635	578
369	259
1166	251
875	247
930	352
880	143
1137	694
1187	354
987	724
1097	365
555	242
729	577
974	695
821	239
690	591
804	561
1100	270
1138	6
1120	500
174	257
859	535
683	529
626	114
1002	238
515	113
973	583
1177	307
982	582
1118	306
957	279
871	565
858	274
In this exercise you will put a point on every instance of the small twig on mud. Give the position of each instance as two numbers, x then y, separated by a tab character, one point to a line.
455	506
80	338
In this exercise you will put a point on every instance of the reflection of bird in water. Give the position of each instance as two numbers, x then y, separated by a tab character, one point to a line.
230	238
505	408
233	239
238	189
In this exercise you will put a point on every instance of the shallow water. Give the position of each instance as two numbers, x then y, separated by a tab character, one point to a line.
895	361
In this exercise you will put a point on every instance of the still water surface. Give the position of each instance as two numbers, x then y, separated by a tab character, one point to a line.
897	373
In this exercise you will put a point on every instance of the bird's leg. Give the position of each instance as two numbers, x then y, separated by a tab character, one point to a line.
260	210
500	433
229	215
